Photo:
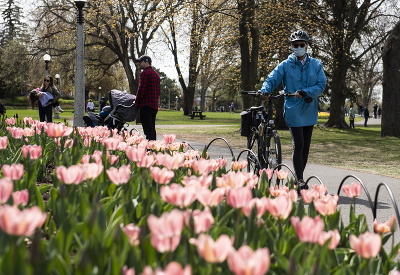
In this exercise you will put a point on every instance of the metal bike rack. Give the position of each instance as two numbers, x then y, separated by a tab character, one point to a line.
227	143
371	206
396	209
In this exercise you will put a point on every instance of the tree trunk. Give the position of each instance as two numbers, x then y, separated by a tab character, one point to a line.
249	49
336	117
391	88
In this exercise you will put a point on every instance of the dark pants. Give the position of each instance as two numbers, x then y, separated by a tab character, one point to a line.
351	123
365	121
148	119
301	140
46	113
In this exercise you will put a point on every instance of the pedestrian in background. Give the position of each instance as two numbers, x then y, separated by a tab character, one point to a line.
366	115
147	96
47	91
352	115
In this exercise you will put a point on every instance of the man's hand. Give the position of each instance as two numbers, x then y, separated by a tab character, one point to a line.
300	94
265	96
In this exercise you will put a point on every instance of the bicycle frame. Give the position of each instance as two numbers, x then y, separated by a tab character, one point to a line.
265	135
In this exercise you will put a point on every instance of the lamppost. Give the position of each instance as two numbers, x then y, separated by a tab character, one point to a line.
99	99
79	103
169	97
46	59
176	98
57	76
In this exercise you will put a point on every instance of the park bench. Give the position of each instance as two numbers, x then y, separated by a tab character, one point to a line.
197	114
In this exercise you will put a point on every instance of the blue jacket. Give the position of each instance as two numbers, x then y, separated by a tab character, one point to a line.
294	76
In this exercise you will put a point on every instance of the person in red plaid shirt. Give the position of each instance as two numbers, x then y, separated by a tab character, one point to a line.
147	96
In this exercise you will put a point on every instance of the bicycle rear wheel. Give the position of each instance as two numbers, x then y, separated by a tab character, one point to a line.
274	151
253	162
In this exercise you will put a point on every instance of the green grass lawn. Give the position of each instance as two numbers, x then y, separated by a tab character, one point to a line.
361	149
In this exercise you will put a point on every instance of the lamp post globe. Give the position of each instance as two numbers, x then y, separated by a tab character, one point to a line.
57	76
46	59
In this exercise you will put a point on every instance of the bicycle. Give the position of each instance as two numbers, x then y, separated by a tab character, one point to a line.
260	131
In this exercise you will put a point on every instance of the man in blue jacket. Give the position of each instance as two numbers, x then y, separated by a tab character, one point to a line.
303	76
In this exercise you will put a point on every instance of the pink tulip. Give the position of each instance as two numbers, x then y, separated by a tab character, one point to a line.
169	138
238	165
16	132
276	190
178	195
29	132
161	176
308	229
10	121
119	176
28	121
112	143
367	245
213	251
173	268
326	205
320	188
3	142
21	197
113	159
353	190
127	271
309	195
334	237
132	232
259	203
166	230
293	195
146	162
245	261
280	207
210	198
172	162
57	130
14	171
33	151
191	154
74	174
202	219
386	227
203	180
6	187
280	174
239	197
203	166
92	170
268	172
21	223
174	147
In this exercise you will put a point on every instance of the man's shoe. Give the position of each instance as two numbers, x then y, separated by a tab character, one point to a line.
301	185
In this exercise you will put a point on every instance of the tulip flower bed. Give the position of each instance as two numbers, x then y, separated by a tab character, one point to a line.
91	201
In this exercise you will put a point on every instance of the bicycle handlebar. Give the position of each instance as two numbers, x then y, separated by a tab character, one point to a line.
258	93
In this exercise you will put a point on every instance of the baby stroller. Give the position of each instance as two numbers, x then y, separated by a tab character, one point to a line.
121	111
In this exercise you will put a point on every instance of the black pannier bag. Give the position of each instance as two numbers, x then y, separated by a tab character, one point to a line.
245	123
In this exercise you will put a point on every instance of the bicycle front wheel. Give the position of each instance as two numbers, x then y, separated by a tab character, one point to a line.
253	163
274	151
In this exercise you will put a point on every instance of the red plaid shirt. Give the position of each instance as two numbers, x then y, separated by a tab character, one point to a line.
148	92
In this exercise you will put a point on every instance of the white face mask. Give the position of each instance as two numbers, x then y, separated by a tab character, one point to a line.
299	52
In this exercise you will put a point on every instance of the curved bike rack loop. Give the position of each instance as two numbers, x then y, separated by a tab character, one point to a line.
251	153
314	177
391	198
278	167
371	206
227	143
